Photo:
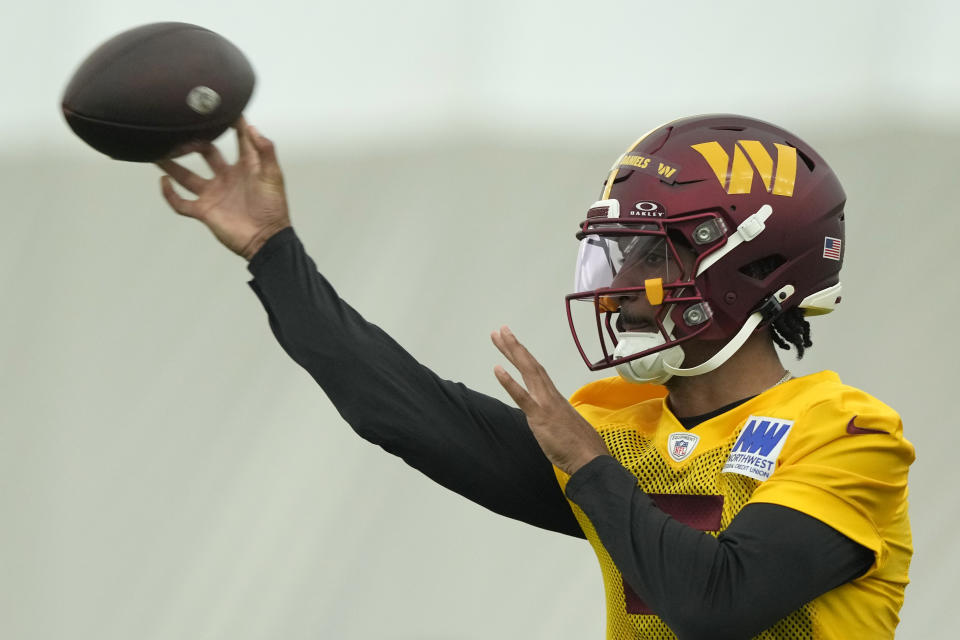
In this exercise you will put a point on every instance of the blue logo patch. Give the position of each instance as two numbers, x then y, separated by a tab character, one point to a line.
756	450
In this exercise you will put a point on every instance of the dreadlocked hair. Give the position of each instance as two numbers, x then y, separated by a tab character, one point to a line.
790	328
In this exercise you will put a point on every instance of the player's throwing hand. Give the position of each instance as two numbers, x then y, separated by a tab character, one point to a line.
568	440
243	204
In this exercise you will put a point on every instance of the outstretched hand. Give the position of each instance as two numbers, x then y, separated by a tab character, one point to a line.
566	438
243	204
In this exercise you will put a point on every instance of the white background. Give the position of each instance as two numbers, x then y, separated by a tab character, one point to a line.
167	472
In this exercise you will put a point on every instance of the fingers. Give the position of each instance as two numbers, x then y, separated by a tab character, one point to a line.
257	151
245	149
533	373
269	164
184	177
213	158
523	399
185	148
534	376
181	205
510	347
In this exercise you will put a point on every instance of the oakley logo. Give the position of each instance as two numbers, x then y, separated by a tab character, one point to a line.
750	157
648	210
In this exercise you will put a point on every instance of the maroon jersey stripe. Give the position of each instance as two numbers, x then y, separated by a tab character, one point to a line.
700	512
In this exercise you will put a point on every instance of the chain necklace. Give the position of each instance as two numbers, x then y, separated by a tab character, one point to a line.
786	376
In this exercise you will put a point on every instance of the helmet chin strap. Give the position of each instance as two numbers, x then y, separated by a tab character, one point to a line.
659	367
720	356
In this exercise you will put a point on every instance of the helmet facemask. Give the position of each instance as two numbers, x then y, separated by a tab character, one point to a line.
635	284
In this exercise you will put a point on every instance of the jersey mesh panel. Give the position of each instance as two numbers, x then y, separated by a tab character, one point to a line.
700	476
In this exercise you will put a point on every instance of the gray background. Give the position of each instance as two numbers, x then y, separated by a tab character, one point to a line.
167	472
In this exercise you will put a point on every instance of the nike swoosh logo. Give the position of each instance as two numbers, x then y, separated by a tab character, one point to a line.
854	430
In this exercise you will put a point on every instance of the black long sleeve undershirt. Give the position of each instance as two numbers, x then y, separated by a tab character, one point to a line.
769	561
468	442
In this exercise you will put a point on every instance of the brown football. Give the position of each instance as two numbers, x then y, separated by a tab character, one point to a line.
144	93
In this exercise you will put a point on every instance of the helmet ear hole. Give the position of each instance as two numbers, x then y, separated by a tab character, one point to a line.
761	268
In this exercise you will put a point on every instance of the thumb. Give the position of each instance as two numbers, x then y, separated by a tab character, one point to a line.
181	205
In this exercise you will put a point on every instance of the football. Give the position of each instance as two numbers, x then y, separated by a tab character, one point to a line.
148	91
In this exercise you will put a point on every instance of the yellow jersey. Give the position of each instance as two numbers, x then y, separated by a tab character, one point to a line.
811	444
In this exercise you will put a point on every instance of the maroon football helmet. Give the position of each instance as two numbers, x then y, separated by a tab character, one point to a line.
708	227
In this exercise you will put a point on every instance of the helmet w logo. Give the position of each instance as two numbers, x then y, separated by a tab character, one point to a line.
750	157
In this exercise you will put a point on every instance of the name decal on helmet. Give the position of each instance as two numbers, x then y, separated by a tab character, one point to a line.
736	176
650	164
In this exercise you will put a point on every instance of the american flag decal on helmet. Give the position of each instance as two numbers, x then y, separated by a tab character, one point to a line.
831	248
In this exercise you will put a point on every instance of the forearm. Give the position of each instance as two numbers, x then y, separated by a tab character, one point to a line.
359	366
767	563
466	441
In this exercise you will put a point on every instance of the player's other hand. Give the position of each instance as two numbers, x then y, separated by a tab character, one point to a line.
243	204
566	438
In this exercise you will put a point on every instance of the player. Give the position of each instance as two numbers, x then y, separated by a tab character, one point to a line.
724	498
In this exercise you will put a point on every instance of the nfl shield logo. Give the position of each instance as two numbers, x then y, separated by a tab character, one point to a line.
681	445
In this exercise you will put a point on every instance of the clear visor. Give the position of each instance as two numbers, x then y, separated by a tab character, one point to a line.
624	261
